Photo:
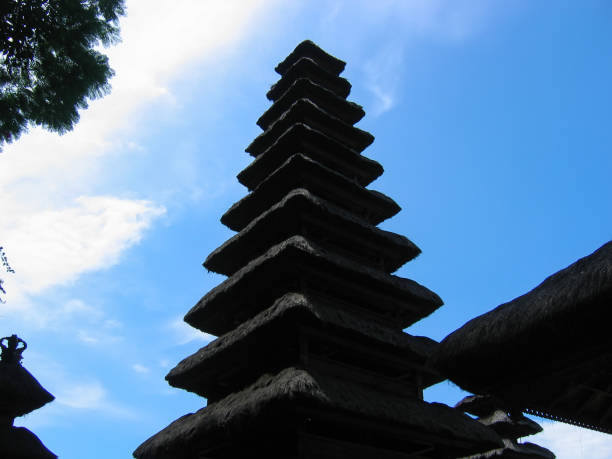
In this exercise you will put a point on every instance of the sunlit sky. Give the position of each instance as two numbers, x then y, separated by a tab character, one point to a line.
492	120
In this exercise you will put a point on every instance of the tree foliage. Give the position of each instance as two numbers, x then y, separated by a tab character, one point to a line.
49	68
6	266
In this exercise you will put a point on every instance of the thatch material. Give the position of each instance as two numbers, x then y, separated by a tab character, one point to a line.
301	212
20	443
513	450
307	112
20	392
509	427
270	405
308	49
255	343
302	172
299	264
300	138
480	405
303	88
548	351
512	428
305	67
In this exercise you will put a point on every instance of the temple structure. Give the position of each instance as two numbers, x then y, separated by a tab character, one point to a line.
509	426
20	393
311	359
548	352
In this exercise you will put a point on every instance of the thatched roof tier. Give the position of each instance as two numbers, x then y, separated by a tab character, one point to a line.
300	265
367	344
298	399
20	392
308	49
305	67
480	405
507	427
307	112
548	351
302	172
303	88
513	450
300	138
301	212
20	443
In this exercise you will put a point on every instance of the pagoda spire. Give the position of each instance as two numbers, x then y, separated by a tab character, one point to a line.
20	394
311	359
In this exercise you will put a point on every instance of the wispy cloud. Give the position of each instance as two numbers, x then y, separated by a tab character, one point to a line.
184	333
75	395
448	22
139	368
382	72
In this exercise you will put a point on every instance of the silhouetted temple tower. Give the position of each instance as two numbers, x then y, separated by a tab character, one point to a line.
311	360
20	394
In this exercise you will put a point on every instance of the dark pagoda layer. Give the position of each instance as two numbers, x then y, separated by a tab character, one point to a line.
548	352
311	359
510	427
20	393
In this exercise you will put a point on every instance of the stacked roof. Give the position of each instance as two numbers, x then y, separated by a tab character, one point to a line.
311	359
20	393
509	426
548	352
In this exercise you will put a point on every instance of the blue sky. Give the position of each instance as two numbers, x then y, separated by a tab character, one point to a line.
492	120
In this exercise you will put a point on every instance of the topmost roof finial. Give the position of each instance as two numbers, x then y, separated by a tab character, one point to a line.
11	352
307	49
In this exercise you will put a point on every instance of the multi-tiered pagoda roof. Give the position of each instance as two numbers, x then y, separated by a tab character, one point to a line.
510	426
20	394
311	359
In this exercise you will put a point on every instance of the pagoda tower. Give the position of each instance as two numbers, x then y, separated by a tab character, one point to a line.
311	359
20	393
510	426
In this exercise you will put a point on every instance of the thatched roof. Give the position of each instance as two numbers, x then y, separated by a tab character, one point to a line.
301	212
255	343
300	171
507	427
303	88
20	443
308	49
480	405
300	138
298	264
491	412
548	351
20	392
307	112
269	405
305	67
513	450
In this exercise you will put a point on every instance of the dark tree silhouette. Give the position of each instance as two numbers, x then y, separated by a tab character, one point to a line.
48	65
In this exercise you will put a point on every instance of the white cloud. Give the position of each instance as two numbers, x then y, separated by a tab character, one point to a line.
55	246
55	223
139	368
571	442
